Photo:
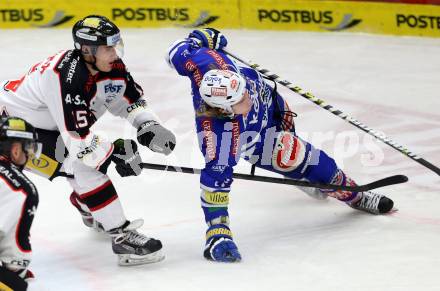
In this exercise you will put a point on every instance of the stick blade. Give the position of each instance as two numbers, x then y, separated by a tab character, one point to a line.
392	180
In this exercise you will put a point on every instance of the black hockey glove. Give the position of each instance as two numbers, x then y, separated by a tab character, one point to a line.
156	137
210	38
126	157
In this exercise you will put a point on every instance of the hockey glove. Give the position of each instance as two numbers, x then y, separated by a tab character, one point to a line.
210	38
156	137
220	246
126	157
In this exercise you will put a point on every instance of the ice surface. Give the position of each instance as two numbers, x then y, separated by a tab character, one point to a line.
288	241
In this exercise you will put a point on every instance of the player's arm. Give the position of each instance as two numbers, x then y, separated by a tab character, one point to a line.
134	107
179	55
74	125
184	54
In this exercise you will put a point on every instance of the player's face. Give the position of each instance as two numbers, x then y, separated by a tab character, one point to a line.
105	56
244	106
18	156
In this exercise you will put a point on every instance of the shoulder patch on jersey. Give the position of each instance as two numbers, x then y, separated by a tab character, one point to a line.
67	66
190	66
64	60
218	59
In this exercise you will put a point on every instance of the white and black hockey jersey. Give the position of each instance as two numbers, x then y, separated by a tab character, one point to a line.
61	94
18	203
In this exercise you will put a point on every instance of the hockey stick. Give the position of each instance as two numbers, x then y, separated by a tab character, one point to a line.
338	113
391	180
397	179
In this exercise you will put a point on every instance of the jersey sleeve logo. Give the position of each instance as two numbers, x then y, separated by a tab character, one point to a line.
208	138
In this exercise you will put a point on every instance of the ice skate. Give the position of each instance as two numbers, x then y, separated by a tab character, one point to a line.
373	203
134	248
220	246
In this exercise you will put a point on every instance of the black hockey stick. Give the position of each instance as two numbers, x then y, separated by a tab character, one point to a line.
392	180
396	179
309	96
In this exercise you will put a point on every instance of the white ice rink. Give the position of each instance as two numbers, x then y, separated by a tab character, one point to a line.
288	241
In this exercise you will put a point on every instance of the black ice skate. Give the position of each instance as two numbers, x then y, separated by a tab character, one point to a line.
373	203
134	248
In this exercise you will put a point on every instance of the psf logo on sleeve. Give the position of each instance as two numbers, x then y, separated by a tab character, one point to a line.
110	89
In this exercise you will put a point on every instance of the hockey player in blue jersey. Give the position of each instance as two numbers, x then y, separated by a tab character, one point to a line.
240	114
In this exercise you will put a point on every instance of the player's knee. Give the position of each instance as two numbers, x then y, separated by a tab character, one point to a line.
99	197
323	170
289	152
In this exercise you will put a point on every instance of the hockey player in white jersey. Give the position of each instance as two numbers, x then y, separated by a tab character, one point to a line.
18	202
62	97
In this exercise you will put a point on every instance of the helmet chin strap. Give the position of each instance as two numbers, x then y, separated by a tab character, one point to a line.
92	53
93	64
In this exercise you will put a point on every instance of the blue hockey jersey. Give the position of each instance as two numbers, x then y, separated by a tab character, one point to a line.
224	140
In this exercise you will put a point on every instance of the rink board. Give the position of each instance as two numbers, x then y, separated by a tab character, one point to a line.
368	17
321	16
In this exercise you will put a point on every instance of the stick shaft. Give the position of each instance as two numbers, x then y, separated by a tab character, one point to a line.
397	179
321	103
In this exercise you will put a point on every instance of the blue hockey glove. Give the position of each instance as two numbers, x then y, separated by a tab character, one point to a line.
220	246
210	38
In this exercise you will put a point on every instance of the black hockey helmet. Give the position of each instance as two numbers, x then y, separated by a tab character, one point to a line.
14	129
95	30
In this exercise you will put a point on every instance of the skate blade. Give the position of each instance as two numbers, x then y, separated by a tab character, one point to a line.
133	260
392	211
